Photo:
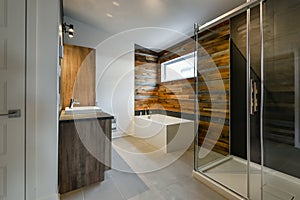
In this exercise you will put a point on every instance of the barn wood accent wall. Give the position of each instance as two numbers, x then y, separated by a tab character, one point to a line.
146	79
215	43
213	66
78	75
177	97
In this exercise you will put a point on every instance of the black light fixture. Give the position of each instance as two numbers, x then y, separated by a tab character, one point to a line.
68	28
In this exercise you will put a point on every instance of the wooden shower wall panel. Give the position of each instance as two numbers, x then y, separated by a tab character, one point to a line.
146	88
78	76
214	87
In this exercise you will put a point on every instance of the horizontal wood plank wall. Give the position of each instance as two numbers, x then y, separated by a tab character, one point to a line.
177	96
213	73
78	76
146	85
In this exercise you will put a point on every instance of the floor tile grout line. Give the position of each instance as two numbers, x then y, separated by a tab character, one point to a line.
113	181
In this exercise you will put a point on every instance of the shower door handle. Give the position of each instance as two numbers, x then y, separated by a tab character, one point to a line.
255	97
254	100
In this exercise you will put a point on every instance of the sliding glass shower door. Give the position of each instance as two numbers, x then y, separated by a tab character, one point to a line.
221	153
281	99
248	95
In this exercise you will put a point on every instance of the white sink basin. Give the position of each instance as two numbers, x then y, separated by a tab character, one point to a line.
82	110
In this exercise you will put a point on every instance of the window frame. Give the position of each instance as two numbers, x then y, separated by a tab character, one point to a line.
164	65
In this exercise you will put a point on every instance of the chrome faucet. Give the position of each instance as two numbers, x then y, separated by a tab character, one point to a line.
149	112
73	102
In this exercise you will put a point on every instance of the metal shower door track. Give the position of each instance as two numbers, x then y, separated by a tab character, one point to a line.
234	12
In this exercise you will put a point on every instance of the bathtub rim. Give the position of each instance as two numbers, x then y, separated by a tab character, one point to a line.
180	120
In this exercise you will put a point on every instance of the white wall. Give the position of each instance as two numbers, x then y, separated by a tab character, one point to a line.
115	80
84	35
47	99
31	100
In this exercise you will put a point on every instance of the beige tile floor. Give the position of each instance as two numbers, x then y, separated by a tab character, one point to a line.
122	182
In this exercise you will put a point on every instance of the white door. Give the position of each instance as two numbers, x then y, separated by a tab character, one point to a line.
12	97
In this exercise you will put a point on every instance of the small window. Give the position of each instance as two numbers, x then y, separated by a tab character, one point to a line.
178	68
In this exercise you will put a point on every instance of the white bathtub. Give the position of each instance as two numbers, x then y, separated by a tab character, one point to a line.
164	132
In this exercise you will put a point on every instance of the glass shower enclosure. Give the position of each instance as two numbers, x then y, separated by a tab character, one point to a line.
247	100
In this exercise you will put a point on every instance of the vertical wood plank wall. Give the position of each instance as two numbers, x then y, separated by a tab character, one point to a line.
177	96
78	76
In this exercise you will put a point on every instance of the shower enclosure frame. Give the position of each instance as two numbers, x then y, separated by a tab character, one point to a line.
221	188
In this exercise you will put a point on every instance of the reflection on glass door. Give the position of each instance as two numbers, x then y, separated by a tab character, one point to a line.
281	104
215	155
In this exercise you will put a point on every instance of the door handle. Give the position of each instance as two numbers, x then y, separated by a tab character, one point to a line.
255	94
253	100
12	114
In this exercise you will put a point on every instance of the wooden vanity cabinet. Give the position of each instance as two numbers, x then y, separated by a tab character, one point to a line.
84	149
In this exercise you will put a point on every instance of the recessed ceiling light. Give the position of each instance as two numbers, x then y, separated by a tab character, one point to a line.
115	3
109	15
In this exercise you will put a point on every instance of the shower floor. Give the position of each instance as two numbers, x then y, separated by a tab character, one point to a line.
231	172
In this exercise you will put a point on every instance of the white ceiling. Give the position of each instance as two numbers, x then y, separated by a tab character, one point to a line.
115	16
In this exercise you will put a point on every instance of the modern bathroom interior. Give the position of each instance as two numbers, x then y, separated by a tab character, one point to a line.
225	97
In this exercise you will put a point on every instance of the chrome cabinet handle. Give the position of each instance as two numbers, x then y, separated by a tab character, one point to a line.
12	114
